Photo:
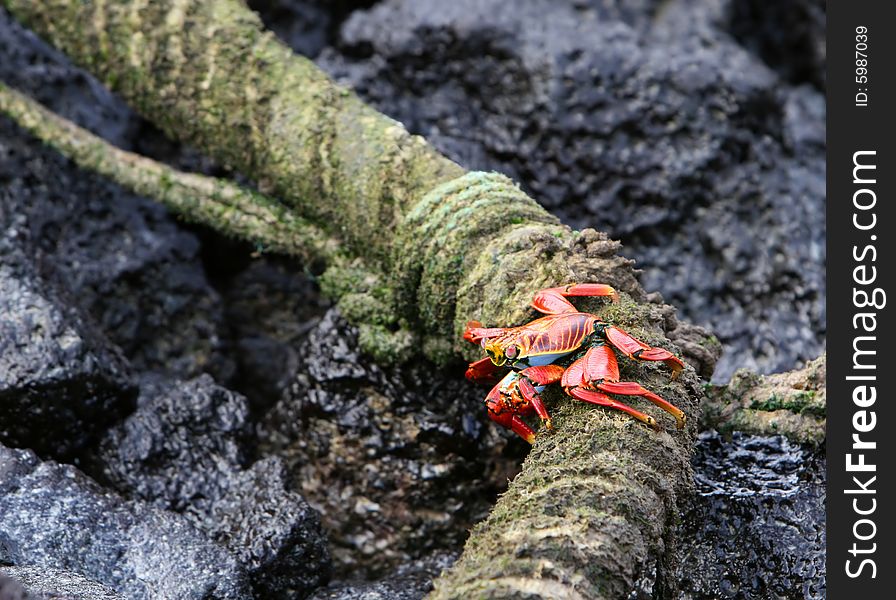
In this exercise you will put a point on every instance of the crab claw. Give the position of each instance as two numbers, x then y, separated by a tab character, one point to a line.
468	332
515	424
475	332
482	371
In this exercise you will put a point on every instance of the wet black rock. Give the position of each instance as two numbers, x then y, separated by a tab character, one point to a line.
186	449
411	581
40	583
789	36
61	519
61	381
273	532
394	480
124	267
656	126
122	258
180	446
46	74
397	588
756	529
31	65
307	25
270	306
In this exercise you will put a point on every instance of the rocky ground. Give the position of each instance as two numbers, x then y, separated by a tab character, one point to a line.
167	429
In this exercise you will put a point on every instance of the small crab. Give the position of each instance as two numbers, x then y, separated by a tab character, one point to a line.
566	346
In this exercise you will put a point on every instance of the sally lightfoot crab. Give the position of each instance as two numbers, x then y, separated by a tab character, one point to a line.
573	348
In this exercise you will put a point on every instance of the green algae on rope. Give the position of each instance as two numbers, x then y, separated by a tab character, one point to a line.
209	74
233	210
442	237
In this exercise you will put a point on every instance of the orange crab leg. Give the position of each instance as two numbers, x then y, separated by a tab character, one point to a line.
600	364
553	301
598	369
634	348
543	375
591	289
574	376
475	332
531	395
483	371
604	400
628	388
514	423
506	417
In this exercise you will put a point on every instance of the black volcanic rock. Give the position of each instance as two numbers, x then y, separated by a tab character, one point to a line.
53	516
272	531
756	529
308	26
186	449
789	36
270	306
180	447
61	381
34	67
40	583
410	581
112	270
122	259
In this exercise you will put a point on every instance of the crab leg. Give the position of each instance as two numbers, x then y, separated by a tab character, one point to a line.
541	376
553	301
604	400
518	392
514	423
475	332
575	384
599	370
483	371
506	417
635	348
628	388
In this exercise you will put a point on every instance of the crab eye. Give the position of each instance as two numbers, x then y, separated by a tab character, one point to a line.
511	351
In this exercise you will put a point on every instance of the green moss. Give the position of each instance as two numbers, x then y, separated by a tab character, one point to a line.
365	308
797	402
439	350
710	342
386	347
447	235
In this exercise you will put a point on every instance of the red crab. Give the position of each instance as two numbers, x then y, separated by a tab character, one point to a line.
566	346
